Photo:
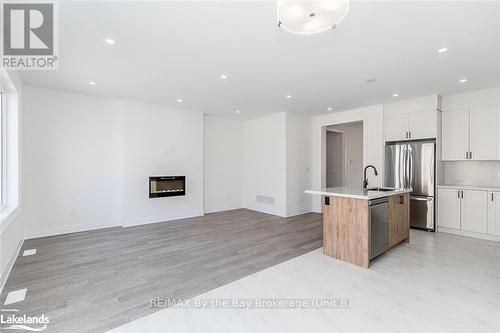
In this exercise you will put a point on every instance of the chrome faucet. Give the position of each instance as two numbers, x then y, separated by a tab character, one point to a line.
365	180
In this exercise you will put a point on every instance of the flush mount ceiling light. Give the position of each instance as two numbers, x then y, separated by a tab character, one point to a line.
237	111
179	100
443	50
329	109
462	80
223	76
395	95
109	41
311	16
288	96
92	83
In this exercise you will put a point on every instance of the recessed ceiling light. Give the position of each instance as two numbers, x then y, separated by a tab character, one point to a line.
109	41
329	109
237	111
462	80
288	96
92	83
179	100
223	76
443	50
370	80
395	95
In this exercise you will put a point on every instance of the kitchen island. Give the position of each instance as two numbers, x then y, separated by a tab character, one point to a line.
360	224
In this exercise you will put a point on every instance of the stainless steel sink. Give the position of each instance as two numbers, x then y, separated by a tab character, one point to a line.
381	189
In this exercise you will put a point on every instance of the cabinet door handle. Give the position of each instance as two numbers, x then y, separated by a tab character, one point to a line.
492	199
470	155
466	155
409	135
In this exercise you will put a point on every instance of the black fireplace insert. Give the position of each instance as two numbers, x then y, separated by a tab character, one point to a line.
167	186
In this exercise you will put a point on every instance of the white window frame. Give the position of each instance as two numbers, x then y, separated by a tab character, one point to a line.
3	149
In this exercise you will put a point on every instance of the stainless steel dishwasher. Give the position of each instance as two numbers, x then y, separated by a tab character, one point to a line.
379	237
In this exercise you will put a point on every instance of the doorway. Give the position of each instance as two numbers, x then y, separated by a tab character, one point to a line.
335	153
344	155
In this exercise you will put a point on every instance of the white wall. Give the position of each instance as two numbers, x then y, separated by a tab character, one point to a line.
72	162
157	141
298	163
11	219
87	160
265	163
373	143
223	166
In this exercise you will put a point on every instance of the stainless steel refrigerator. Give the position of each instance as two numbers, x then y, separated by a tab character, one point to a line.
412	164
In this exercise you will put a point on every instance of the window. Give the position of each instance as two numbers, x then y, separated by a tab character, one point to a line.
3	146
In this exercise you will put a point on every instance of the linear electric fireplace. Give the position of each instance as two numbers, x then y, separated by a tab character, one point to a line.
167	186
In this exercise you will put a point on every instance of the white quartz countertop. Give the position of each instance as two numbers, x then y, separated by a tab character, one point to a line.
356	193
471	187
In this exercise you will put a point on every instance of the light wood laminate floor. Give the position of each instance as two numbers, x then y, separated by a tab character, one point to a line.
97	280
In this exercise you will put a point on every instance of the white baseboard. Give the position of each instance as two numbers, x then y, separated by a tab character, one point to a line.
262	209
67	229
299	211
10	264
157	219
221	208
469	234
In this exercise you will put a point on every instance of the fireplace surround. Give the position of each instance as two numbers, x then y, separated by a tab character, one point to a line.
167	186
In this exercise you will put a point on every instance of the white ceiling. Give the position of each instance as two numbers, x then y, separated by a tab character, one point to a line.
178	49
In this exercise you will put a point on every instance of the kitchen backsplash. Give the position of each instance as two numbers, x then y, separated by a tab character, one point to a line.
483	173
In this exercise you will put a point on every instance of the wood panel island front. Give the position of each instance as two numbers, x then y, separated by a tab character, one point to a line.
360	224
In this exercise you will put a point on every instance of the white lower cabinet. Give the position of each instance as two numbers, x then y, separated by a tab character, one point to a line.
449	208
474	211
494	213
467	210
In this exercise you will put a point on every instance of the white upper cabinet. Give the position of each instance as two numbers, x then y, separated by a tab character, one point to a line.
396	128
412	126
471	134
475	211
455	135
494	213
422	125
484	133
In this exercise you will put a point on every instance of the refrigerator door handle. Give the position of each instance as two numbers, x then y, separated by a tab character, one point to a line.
410	169
404	167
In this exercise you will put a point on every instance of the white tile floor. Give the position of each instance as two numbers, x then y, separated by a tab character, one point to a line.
437	282
15	296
